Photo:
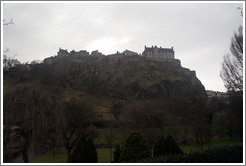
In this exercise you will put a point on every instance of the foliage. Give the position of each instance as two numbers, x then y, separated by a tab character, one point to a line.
136	147
117	154
223	154
74	119
235	115
161	92
165	146
84	151
33	112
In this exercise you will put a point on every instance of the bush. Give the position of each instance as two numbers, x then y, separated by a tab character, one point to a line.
223	154
85	151
136	147
117	154
166	146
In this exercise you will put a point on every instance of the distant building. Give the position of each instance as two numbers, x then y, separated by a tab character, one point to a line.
158	53
96	53
62	52
130	53
79	53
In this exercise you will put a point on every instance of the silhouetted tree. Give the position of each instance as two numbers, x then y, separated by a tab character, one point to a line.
166	146
117	154
232	75
136	147
9	61
74	120
34	112
232	67
84	151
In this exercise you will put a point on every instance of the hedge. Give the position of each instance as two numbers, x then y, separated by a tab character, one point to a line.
222	154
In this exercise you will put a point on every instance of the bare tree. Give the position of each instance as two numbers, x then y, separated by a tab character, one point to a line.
232	67
232	75
9	61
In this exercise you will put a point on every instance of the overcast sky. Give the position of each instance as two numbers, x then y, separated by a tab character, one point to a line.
200	33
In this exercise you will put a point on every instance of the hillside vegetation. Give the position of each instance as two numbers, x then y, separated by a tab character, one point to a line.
86	93
100	81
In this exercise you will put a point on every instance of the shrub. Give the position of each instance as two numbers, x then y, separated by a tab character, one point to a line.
223	154
85	151
136	147
166	146
117	154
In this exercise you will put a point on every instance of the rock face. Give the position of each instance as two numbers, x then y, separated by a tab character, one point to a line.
100	80
123	77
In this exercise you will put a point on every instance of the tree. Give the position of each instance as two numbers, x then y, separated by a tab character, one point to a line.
74	120
232	67
232	75
33	112
84	151
9	62
136	147
117	154
166	146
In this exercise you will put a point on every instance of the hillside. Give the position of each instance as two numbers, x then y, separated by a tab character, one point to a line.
101	80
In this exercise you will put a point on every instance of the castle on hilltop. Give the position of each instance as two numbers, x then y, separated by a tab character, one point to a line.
152	53
158	53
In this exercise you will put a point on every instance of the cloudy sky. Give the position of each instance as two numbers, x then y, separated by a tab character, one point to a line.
200	33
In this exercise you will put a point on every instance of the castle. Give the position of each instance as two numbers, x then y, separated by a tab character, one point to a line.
158	53
153	53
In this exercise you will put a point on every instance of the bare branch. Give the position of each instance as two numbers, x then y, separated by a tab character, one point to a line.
8	23
232	67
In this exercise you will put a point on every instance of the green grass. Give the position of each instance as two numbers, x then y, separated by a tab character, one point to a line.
117	136
189	148
214	142
104	155
8	83
224	141
49	158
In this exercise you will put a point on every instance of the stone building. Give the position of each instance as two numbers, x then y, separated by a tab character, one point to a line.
79	53
62	52
158	53
130	53
96	53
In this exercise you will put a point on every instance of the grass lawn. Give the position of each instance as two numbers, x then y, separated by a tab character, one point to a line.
214	142
103	157
104	153
49	158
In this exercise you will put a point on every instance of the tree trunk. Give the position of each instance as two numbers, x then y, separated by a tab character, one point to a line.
69	155
25	154
25	147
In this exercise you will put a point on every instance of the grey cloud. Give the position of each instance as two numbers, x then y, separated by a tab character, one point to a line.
199	32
